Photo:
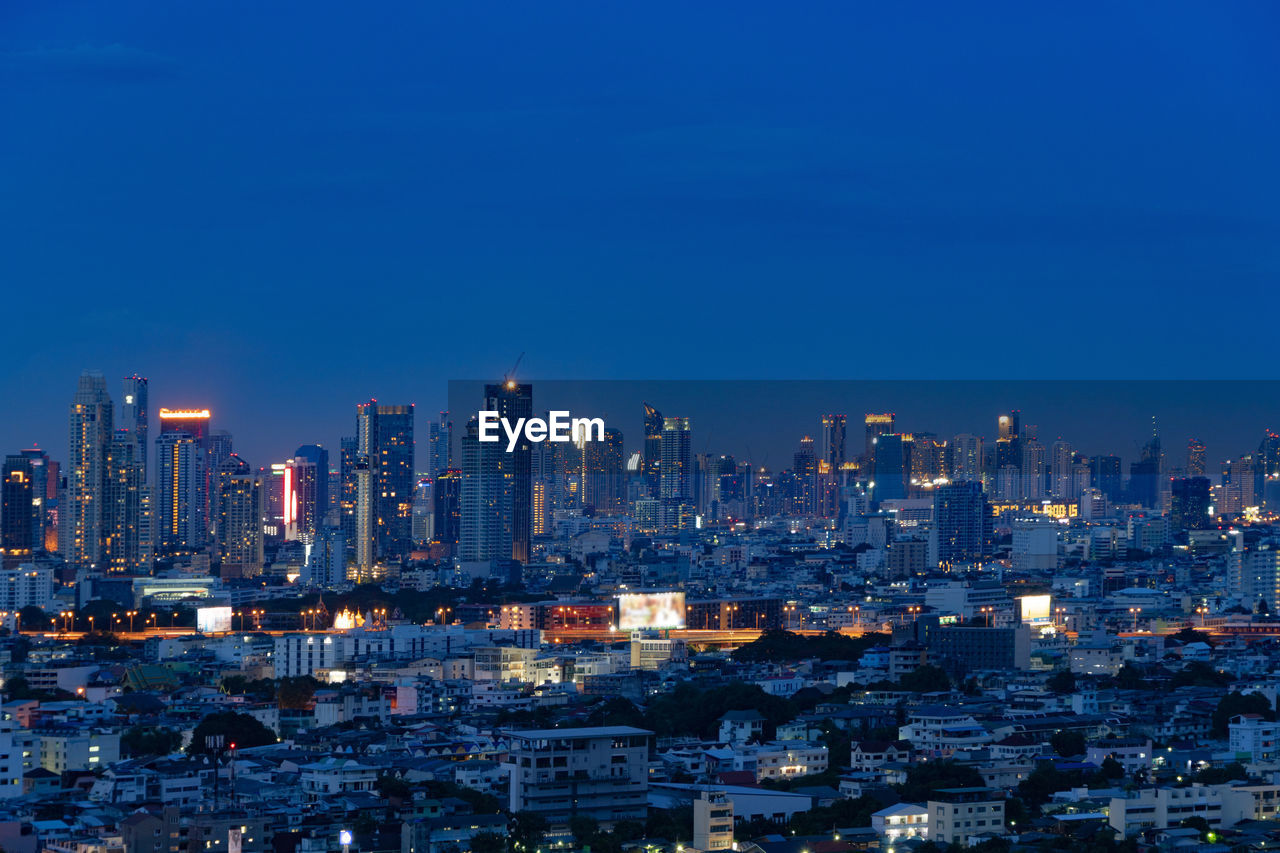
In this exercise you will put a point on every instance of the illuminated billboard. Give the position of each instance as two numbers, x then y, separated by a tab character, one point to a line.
213	620
1035	608
638	610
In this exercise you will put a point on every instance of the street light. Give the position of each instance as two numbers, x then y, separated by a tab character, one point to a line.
1135	611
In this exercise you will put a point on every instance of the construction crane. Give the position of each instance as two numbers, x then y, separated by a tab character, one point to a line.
510	379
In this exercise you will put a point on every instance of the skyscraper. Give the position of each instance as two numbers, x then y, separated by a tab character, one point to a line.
652	449
1105	473
892	459
446	496
302	489
1033	469
966	457
347	488
962	527
602	478
675	487
1009	440
126	533
20	534
1189	503
876	426
319	457
135	415
91	433
512	401
1062	482
384	482
805	466
1196	458
440	447
240	506
833	441
485	497
183	479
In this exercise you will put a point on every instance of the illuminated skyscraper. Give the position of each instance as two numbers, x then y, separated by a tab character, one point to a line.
1009	440
446	496
485	496
512	401
805	467
134	417
384	483
319	457
183	481
1189	503
1196	458
240	502
126	512
179	493
962	525
602	478
21	533
966	457
676	496
652	449
833	441
440	447
347	488
302	484
892	455
91	433
876	426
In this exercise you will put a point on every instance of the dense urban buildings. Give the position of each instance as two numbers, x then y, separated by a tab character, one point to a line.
620	634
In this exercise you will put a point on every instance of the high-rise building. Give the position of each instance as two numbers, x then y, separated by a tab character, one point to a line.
607	766
512	401
1105	473
347	488
876	426
183	481
1033	470
1009	440
303	487
446	496
179	494
1189	503
126	533
1196	451
652	449
21	533
44	496
384	483
966	457
318	456
240	502
833	441
91	432
485	494
892	459
602	477
440	447
675	484
805	467
962	525
1062	484
135	416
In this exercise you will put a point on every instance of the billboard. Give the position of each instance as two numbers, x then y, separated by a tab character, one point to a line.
1036	608
213	620
638	610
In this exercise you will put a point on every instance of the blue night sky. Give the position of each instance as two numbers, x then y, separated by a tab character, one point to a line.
281	209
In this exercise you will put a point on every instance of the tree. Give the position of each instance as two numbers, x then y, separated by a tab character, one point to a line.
527	829
1062	681
488	842
150	740
1236	703
296	692
924	779
584	828
393	788
925	679
241	729
1067	743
